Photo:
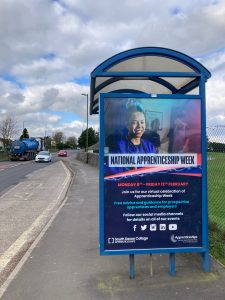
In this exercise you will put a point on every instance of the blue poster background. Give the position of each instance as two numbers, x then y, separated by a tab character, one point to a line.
179	216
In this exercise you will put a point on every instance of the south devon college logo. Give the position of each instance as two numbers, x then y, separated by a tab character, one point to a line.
111	241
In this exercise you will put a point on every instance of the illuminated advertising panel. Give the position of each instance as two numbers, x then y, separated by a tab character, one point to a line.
151	174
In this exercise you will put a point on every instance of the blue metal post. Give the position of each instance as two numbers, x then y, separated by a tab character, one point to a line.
206	261
132	268
205	255
172	264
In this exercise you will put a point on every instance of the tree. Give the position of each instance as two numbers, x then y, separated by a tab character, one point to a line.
47	142
7	130
60	146
58	137
93	138
207	142
25	134
71	142
216	147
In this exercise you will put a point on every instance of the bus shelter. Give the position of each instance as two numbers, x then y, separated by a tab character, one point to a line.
153	171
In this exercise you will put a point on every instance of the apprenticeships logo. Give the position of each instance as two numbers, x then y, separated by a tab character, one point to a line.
172	238
185	239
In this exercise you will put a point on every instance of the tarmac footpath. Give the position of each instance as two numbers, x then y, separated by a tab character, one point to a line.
26	208
65	263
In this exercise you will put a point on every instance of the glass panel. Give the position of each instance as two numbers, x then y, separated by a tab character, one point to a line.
150	64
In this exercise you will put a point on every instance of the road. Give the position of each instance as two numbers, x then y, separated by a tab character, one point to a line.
13	172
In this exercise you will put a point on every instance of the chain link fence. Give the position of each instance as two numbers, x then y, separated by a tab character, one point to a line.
216	190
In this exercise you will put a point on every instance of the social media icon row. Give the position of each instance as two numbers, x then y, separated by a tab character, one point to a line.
154	227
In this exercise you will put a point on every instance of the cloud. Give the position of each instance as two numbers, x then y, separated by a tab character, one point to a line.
26	28
41	105
47	47
215	87
153	23
215	100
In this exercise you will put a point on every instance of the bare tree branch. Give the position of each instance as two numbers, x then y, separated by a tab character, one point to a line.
7	129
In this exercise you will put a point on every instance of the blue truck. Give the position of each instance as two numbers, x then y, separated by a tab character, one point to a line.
25	149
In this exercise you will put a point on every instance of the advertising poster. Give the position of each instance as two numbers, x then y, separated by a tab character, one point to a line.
152	174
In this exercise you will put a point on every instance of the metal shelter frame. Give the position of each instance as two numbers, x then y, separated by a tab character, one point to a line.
149	70
156	72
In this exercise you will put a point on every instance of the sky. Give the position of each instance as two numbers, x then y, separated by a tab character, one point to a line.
49	48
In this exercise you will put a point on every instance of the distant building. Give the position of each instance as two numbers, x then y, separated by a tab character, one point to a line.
94	148
1	144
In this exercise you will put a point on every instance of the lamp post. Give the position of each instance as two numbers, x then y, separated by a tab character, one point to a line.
86	148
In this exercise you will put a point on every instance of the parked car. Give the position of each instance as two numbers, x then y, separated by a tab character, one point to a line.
43	156
62	153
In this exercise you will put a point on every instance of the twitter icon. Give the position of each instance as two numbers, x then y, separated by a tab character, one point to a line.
143	227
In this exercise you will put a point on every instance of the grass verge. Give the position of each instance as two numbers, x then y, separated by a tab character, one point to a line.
4	157
216	204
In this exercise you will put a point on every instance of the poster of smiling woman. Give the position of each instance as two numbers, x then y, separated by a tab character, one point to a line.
151	174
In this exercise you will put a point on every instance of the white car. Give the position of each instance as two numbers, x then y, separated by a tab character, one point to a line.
43	156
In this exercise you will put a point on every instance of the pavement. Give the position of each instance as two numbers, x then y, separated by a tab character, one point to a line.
63	261
26	208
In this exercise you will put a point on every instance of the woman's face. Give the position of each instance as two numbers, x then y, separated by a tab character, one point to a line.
137	124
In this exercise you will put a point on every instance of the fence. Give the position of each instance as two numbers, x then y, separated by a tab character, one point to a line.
216	190
3	155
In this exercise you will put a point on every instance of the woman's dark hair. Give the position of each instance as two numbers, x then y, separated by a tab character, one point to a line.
132	109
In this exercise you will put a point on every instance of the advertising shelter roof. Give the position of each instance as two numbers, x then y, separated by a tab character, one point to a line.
147	70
